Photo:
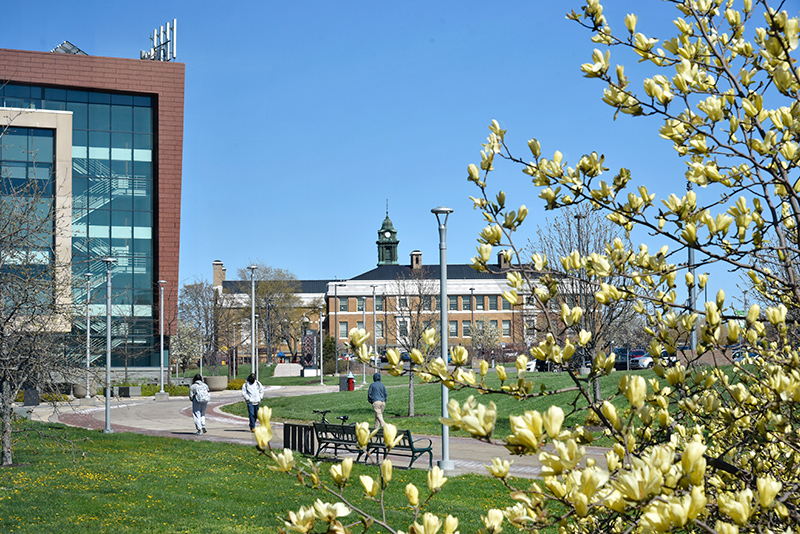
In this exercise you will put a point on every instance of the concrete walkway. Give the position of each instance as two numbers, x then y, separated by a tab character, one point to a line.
173	419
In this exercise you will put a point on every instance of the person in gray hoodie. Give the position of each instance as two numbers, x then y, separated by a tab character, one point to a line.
376	395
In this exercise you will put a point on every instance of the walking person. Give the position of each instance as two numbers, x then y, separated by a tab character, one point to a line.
253	392
376	395
199	395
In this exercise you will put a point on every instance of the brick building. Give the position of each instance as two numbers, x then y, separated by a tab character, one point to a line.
394	302
122	121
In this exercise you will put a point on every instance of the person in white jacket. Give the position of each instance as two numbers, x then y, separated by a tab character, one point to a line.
199	395
253	392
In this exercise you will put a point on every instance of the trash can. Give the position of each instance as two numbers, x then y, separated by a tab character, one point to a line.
351	382
342	383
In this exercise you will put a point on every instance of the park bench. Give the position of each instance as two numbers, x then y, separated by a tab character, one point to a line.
407	447
336	437
343	437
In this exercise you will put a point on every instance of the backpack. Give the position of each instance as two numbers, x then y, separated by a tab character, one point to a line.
202	395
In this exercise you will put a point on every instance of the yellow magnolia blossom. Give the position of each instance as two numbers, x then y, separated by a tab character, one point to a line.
341	472
417	357
552	420
499	468
371	487
430	337
263	435
768	488
436	479
459	355
301	521
386	470
412	494
390	437
330	512
430	525
265	415
285	461
493	521
363	434
450	525
358	336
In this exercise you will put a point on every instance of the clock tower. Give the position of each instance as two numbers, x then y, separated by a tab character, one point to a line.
387	243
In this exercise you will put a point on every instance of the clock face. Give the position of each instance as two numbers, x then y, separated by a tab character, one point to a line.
387	234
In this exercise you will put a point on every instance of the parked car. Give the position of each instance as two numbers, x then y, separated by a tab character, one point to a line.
641	360
621	358
668	360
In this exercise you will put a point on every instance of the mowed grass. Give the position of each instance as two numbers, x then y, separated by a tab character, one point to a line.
130	483
427	402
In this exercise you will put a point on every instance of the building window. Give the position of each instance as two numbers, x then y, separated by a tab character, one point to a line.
402	327
506	328
378	303
360	304
426	302
452	330
359	324
506	304
402	302
479	302
453	303
493	302
342	329
379	329
466	303
466	327
343	304
493	323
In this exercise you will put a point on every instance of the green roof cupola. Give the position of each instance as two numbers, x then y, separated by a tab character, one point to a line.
387	242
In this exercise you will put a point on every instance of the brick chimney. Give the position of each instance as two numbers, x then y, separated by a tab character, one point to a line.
218	275
502	262
416	260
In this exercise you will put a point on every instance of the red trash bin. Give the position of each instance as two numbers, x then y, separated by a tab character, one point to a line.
351	382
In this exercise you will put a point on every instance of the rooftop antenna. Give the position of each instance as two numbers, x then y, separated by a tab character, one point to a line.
163	43
387	207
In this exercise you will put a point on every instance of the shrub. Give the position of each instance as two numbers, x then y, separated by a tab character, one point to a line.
235	384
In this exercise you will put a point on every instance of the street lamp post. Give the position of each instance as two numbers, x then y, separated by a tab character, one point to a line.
109	261
161	284
364	322
442	213
254	368
320	362
472	318
88	332
374	324
336	326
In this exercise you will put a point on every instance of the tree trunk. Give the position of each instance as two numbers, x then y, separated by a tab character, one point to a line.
411	390
5	408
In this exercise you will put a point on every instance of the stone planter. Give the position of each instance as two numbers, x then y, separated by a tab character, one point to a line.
217	383
79	390
130	391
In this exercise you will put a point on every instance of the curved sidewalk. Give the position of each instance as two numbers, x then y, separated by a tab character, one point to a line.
173	418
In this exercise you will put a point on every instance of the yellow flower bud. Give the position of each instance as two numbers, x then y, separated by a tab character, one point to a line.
552	420
370	486
459	355
412	494
501	373
436	479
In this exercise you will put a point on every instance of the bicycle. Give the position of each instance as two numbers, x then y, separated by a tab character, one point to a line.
323	413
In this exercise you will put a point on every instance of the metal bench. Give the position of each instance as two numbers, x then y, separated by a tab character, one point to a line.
336	437
406	447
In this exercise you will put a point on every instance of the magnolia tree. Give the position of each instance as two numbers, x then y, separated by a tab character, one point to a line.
695	447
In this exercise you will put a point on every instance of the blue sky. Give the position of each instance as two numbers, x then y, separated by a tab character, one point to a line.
303	118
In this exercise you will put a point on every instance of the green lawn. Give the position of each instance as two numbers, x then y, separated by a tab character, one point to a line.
133	483
427	400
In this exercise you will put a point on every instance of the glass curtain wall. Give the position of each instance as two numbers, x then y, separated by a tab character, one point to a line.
112	193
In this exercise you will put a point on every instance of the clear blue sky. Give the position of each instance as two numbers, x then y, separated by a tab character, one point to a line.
303	118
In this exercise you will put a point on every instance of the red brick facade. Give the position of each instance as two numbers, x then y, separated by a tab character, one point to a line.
164	82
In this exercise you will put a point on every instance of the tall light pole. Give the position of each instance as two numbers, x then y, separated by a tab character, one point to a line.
88	332
374	323
161	284
252	270
442	213
336	326
472	318
109	261
320	362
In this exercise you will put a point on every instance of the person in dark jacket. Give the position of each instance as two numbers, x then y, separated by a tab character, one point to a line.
376	395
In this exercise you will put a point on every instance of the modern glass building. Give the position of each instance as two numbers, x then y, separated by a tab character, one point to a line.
122	182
